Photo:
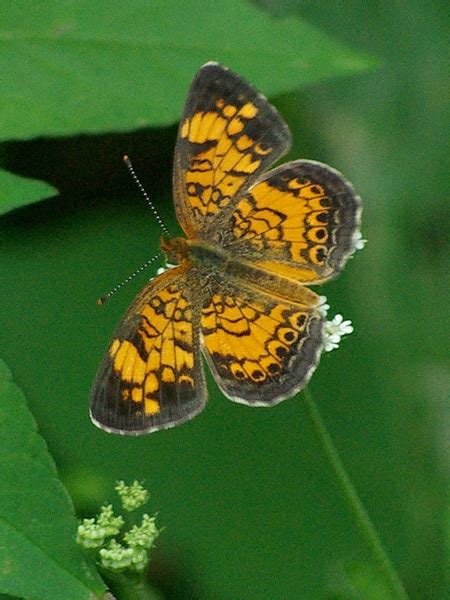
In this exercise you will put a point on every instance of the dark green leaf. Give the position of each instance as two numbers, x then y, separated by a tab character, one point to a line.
81	67
17	191
38	554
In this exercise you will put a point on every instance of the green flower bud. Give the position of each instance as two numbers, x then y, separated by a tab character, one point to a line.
90	534
116	557
107	520
144	535
133	496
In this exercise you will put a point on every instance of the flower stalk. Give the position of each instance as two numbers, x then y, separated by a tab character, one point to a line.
353	501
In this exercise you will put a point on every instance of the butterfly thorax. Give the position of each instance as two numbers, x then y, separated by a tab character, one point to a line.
200	254
210	260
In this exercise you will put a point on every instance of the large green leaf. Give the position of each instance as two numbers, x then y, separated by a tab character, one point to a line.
38	554
17	191
91	67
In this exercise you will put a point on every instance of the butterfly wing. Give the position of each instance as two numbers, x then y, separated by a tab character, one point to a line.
229	134
261	348
299	220
151	377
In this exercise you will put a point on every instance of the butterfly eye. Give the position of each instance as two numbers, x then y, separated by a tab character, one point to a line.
326	202
298	320
317	190
277	349
322	217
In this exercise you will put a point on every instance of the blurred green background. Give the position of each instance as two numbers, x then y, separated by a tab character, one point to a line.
250	505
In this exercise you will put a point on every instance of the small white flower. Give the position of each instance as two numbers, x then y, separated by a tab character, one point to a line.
334	331
340	326
358	241
323	307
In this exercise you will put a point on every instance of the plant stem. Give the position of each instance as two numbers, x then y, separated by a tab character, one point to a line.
350	494
129	586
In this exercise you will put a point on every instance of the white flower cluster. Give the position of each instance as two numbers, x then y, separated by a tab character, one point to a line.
358	241
93	532
335	329
132	554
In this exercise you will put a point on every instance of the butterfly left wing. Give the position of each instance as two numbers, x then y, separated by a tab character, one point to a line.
229	134
262	349
151	377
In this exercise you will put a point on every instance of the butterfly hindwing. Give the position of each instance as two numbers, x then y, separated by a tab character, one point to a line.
229	134
299	220
261	348
151	377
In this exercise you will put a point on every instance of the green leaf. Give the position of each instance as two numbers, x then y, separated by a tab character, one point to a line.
17	191
39	557
70	67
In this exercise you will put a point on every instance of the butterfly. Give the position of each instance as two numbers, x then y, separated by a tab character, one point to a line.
255	239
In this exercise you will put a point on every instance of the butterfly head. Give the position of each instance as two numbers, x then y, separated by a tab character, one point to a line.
176	249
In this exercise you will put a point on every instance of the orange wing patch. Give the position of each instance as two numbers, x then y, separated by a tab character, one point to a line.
226	156
165	354
298	221
260	349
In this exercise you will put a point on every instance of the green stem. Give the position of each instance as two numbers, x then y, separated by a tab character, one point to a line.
129	586
350	494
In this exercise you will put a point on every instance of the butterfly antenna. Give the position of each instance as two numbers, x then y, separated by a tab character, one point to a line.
146	196
107	296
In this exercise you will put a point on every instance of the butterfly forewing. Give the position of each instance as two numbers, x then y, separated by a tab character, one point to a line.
229	134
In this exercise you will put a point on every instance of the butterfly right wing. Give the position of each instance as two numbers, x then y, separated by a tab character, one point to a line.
229	135
151	377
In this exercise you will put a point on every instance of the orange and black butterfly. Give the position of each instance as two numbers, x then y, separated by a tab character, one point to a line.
254	240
